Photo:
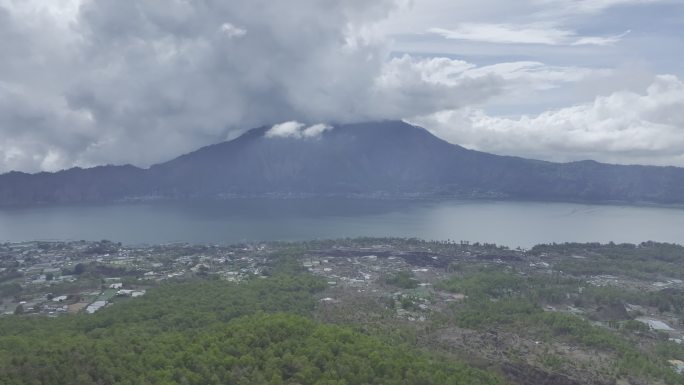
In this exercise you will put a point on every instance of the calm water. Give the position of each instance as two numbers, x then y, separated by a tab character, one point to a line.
506	223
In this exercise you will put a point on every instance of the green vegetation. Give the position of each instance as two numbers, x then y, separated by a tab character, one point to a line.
215	332
539	316
648	260
664	300
498	283
403	279
10	290
490	282
107	295
508	301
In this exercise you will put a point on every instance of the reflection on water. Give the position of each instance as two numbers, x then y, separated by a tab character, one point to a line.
508	223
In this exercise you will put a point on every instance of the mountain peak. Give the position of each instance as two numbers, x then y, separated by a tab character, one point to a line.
387	126
387	158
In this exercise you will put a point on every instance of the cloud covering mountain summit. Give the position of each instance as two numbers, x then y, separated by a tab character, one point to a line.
92	82
140	81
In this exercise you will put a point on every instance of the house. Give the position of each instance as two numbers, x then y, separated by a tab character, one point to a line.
95	306
678	365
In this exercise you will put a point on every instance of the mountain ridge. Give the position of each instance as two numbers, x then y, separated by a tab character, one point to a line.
389	158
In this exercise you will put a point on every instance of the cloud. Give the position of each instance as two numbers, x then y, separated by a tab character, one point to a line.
623	127
588	6
535	33
533	75
601	40
140	82
297	130
232	31
316	130
511	83
88	82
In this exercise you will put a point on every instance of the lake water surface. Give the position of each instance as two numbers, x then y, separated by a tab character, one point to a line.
507	223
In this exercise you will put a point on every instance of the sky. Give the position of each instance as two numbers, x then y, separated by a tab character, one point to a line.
92	82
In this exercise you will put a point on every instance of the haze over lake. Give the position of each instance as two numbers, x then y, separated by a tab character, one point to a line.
507	223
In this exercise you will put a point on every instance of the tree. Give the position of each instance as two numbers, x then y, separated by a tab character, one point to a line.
403	279
19	310
79	269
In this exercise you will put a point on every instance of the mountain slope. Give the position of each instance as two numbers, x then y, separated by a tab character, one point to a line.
368	159
216	332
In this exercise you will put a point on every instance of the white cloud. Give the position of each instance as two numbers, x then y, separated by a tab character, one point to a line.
601	40
587	6
535	33
286	130
232	31
509	79
60	12
297	130
623	127
506	33
316	130
532	75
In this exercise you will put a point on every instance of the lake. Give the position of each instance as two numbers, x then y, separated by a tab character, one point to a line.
222	222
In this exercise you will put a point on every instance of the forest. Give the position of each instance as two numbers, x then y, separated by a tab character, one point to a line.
501	299
208	331
350	311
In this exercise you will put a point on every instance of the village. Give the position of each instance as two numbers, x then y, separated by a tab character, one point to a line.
55	278
363	271
397	284
372	283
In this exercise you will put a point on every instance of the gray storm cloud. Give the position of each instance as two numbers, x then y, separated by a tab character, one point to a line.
89	82
142	81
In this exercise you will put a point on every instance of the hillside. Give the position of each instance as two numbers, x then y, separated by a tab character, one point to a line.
367	159
329	312
214	332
